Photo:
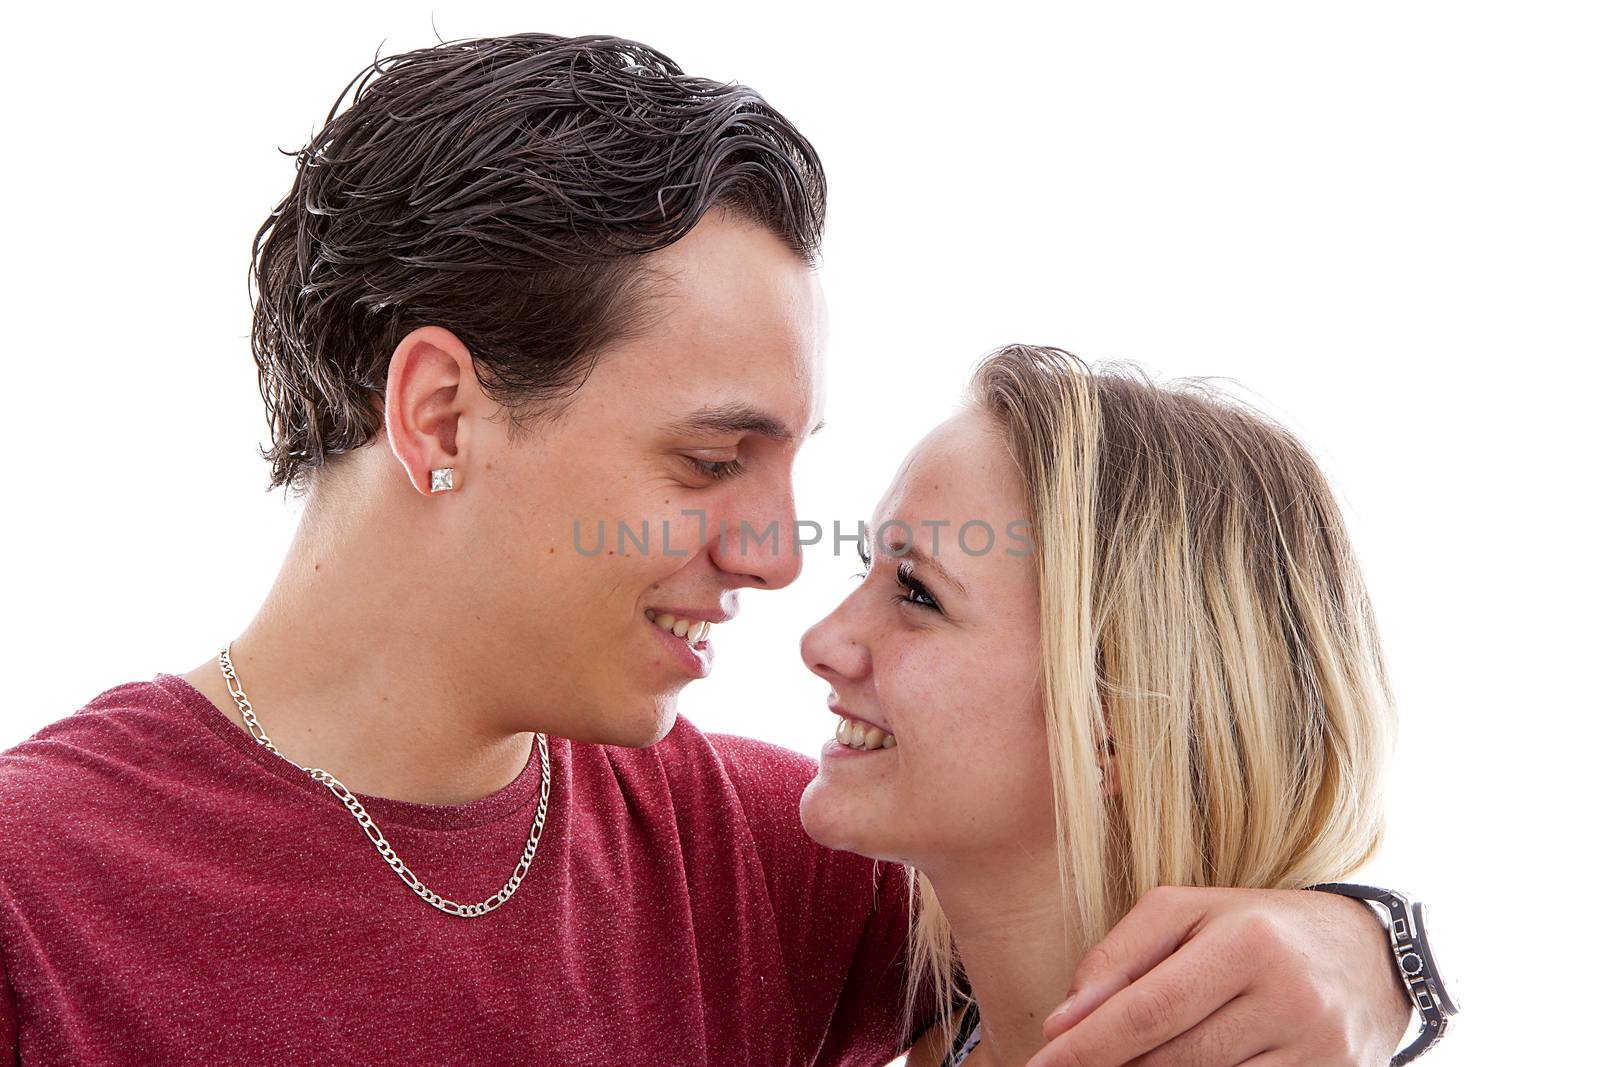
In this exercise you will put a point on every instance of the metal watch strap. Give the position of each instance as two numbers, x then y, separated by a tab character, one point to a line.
1410	964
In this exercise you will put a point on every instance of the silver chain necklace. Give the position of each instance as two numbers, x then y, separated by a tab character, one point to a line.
370	828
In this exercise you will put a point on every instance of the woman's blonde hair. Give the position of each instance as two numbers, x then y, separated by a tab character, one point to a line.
1203	618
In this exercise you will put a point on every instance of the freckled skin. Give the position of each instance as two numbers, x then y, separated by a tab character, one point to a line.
969	773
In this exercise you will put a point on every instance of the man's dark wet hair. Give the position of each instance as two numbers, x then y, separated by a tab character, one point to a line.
503	188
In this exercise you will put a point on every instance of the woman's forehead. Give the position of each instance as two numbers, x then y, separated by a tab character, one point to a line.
961	465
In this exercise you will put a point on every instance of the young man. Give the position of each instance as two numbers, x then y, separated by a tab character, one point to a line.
523	283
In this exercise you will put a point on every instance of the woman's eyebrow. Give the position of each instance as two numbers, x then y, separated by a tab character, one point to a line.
735	417
920	558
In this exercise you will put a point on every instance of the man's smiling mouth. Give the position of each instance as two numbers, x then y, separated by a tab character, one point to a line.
694	631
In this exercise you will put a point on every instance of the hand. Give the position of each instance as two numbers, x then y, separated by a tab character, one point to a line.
1225	977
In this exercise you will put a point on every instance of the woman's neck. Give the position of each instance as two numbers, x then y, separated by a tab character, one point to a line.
1017	947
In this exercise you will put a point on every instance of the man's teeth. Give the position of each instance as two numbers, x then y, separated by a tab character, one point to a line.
856	734
693	631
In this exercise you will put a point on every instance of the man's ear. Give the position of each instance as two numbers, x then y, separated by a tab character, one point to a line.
431	394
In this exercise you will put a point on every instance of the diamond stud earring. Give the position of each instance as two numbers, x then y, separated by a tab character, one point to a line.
444	480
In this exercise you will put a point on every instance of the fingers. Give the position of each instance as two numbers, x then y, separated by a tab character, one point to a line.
1209	971
1298	967
1233	1034
1158	924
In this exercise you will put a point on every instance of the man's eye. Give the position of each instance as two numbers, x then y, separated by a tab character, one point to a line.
716	470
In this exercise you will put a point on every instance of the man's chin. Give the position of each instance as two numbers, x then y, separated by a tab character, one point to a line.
643	726
662	727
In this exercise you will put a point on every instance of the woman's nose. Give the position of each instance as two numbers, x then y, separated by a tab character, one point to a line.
833	648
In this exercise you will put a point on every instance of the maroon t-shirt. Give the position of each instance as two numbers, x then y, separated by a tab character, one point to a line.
172	892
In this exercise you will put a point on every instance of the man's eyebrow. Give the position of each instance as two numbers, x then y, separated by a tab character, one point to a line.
735	418
920	558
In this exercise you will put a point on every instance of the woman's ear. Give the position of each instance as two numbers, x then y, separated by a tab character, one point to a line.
1110	775
1106	757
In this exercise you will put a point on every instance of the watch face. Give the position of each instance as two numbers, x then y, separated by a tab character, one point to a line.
1421	935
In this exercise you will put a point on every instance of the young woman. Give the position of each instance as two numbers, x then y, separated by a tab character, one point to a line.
1110	637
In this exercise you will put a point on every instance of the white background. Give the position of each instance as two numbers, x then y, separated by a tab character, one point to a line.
1379	218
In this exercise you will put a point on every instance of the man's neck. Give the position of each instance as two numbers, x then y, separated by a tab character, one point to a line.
343	673
1016	947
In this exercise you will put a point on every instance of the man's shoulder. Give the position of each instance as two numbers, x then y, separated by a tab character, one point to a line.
762	758
842	918
722	787
758	774
102	722
764	783
769	780
86	757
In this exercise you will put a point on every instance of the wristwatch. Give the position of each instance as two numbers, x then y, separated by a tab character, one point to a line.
1413	958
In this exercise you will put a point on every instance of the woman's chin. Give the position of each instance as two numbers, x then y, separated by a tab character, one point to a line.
839	821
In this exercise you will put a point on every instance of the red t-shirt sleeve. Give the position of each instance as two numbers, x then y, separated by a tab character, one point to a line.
842	919
9	1053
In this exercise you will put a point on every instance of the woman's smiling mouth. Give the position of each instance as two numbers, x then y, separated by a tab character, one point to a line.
861	736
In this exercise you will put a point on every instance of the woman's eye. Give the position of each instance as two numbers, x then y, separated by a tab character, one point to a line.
915	592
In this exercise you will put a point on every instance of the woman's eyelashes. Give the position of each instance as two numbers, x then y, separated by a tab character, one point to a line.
915	593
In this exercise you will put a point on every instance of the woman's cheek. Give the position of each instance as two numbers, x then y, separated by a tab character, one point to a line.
942	722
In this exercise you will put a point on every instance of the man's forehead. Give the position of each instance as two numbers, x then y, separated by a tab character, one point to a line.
730	277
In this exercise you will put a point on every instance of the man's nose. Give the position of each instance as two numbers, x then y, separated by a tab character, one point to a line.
760	546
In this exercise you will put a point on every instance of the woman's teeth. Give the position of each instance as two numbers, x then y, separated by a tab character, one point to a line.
694	631
852	733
